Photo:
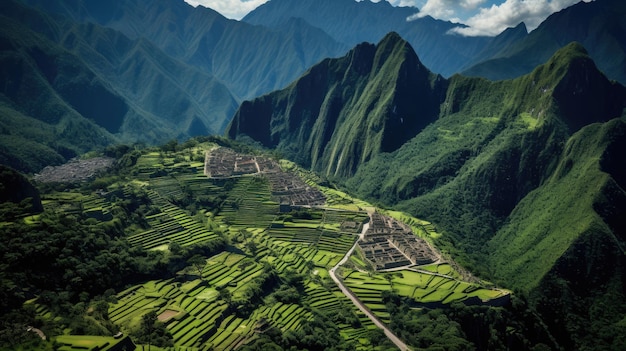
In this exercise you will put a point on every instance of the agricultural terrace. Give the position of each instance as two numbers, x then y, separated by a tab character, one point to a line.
99	343
197	310
232	298
429	289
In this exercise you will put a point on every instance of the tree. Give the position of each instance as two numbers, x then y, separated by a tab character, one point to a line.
198	262
153	332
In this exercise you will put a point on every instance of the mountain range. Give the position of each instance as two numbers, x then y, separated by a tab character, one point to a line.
522	175
597	25
196	66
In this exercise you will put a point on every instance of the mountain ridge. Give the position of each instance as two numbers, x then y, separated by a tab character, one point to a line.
101	84
239	54
598	25
390	67
351	22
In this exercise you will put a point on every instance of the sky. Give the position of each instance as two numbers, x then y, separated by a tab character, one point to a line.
482	17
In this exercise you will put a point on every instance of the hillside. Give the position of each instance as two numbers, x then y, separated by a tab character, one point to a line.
240	55
115	89
214	247
598	25
509	170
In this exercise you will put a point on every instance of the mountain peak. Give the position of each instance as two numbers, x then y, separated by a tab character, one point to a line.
582	93
345	111
394	49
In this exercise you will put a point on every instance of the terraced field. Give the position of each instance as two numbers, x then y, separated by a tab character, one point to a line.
194	311
201	306
423	288
172	224
249	204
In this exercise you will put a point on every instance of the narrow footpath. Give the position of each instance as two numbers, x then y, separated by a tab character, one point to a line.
355	300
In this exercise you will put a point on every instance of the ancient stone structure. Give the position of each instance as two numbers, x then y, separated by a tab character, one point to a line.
389	243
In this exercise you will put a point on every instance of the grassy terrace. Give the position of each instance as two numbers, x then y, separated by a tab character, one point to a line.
422	287
171	224
249	204
199	306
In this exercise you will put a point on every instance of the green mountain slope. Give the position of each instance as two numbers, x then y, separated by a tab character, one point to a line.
522	176
44	91
129	88
492	144
543	227
345	111
566	240
598	25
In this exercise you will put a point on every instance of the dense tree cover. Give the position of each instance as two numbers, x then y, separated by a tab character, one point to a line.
74	254
461	327
17	195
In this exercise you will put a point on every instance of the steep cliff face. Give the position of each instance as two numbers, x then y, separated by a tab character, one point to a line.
344	111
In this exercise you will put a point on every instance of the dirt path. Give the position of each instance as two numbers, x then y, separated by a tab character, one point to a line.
355	300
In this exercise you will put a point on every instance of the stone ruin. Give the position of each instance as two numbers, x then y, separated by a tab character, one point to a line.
75	170
389	243
287	189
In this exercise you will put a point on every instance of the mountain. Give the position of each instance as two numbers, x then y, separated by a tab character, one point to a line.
95	87
522	176
242	56
598	25
41	102
344	111
351	22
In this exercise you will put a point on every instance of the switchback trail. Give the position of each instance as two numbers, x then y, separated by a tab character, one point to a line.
355	300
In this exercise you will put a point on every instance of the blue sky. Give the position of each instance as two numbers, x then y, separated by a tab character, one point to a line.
483	17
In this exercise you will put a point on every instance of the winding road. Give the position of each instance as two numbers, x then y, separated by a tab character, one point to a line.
355	300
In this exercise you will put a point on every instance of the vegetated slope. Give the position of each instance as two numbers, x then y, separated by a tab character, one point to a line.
41	102
493	143
351	22
491	172
250	60
130	89
598	25
528	188
344	111
567	238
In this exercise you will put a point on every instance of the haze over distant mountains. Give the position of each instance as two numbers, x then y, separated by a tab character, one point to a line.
597	25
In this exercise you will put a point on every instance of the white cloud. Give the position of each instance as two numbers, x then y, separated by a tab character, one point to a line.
234	9
493	20
482	17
